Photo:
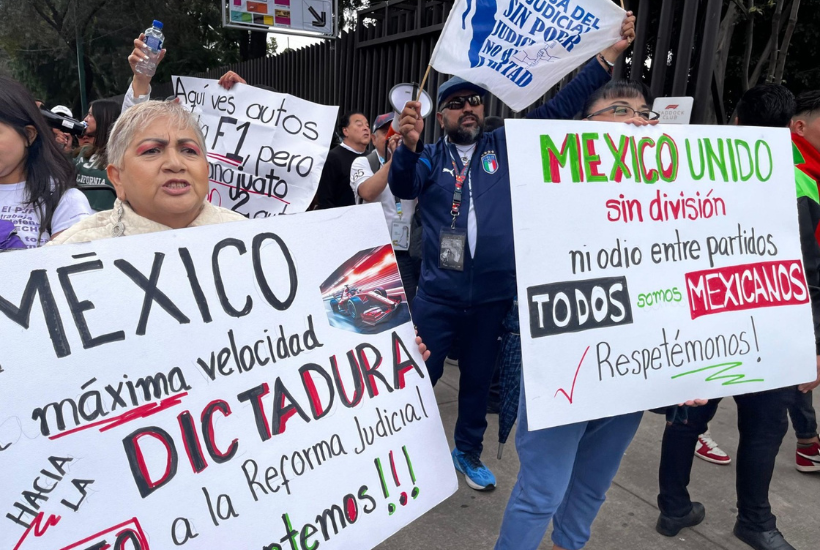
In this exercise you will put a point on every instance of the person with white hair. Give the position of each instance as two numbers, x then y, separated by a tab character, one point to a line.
158	166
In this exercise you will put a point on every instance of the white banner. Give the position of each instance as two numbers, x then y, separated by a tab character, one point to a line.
246	385
519	49
655	265
266	150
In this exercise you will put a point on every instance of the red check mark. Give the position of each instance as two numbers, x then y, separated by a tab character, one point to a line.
572	390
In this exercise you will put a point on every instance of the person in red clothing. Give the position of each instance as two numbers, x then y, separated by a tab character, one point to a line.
805	127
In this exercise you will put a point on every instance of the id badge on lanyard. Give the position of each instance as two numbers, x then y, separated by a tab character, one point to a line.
453	240
400	231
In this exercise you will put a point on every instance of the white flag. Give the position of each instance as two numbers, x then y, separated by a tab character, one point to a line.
519	49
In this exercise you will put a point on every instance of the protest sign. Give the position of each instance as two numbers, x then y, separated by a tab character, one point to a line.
519	49
188	388
655	265
266	150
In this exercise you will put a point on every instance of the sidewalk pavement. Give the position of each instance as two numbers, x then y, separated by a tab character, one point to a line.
470	520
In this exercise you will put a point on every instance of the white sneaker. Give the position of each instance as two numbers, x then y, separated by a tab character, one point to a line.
709	451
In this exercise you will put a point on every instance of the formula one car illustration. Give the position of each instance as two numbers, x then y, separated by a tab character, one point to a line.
370	307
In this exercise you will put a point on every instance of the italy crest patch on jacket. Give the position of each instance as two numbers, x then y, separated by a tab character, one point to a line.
490	162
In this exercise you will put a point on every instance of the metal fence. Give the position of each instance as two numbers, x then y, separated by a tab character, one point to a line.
393	40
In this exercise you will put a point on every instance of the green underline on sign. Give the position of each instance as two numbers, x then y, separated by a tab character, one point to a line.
730	379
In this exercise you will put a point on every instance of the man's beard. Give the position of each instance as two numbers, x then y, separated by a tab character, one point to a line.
463	136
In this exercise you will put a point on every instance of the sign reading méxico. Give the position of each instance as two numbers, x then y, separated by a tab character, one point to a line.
518	49
203	388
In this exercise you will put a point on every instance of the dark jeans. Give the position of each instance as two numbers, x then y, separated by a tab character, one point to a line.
409	270
762	423
804	419
477	329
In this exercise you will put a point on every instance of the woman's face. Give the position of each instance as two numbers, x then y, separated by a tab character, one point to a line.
90	131
13	153
611	112
164	174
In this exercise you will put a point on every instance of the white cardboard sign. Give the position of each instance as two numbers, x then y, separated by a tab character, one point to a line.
655	265
266	150
674	110
245	385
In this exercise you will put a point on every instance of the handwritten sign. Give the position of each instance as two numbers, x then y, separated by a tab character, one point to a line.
519	49
266	150
186	388
655	265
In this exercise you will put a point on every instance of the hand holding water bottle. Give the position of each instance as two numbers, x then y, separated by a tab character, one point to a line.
144	59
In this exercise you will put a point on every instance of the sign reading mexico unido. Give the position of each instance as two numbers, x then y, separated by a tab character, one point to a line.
244	385
655	265
266	150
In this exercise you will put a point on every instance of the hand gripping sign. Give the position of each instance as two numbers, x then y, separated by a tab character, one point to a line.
655	265
199	388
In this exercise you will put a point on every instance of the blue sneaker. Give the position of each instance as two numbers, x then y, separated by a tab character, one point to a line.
476	474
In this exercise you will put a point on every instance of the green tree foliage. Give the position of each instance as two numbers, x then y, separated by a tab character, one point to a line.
38	43
746	55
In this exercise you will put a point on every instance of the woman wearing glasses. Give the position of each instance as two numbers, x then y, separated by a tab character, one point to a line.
566	471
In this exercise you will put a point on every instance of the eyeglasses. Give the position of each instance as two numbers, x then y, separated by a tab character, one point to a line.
622	111
458	102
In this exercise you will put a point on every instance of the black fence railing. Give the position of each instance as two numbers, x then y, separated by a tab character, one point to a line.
393	41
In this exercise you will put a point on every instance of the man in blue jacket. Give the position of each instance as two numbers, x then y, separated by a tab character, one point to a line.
468	269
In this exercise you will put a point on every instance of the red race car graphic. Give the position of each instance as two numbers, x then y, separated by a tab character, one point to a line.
364	293
370	307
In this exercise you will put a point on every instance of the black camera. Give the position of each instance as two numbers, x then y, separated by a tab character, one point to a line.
64	123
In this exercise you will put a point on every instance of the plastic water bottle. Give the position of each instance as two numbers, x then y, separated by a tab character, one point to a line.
154	40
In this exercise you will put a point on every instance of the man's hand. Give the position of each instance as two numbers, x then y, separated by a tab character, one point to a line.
411	124
392	144
141	82
425	353
229	79
807	387
627	36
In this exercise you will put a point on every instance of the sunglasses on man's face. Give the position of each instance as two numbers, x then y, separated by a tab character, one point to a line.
458	102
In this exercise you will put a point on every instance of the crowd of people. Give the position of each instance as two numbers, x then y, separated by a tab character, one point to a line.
141	167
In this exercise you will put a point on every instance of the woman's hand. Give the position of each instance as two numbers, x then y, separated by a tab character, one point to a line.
640	121
694	403
627	36
141	83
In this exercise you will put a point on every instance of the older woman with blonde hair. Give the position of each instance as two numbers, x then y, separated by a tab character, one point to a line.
158	166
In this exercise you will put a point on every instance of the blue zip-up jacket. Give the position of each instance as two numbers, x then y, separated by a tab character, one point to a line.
428	176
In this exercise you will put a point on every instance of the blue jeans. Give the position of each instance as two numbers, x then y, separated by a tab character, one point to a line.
564	476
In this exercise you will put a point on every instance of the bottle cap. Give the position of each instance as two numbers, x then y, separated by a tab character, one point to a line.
157	24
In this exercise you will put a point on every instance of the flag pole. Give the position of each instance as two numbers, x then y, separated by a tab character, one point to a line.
423	82
622	5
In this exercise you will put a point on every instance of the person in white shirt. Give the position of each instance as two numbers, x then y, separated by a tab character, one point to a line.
36	178
368	179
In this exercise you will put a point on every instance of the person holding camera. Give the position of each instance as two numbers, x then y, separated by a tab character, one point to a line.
36	178
65	140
